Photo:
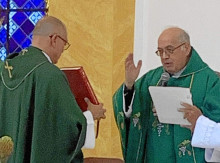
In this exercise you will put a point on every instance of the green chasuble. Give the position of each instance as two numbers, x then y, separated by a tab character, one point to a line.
1	64
144	138
39	112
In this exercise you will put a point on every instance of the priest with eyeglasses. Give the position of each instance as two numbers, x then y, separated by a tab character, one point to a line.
143	137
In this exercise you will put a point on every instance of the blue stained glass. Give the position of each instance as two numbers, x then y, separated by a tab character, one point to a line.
20	3
3	35
36	2
19	36
21	24
42	5
11	14
12	27
2	53
31	36
28	5
19	18
27	27
13	5
3	4
18	49
13	45
35	16
26	43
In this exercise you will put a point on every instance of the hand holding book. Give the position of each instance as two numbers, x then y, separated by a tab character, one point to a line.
81	88
98	112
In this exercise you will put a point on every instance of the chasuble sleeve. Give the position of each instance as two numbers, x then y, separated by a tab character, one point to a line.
211	102
120	117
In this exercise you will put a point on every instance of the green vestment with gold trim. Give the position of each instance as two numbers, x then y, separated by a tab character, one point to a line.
144	139
39	112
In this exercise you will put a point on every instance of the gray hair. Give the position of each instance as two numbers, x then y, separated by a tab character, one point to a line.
184	37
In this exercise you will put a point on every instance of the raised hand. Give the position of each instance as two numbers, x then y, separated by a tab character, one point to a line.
98	112
131	71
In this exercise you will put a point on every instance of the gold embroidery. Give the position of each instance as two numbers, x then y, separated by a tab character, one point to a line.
184	148
121	113
136	120
122	125
156	125
167	129
139	126
9	69
24	51
6	148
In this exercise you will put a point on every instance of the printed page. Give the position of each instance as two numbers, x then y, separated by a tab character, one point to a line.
167	102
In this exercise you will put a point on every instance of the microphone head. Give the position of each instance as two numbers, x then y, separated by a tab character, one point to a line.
164	78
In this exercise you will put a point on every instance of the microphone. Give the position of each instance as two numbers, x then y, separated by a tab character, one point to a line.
164	79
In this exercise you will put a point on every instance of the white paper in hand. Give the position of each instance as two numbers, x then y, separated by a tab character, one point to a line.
167	102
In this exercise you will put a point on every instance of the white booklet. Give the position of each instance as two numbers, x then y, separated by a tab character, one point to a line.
167	102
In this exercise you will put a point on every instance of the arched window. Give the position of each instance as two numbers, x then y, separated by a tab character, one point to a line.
18	19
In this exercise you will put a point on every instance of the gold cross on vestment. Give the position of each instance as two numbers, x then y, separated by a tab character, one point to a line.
9	69
24	51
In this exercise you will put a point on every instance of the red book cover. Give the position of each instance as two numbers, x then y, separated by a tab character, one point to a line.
80	86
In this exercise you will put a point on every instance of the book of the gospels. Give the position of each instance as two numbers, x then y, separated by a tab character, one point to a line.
80	86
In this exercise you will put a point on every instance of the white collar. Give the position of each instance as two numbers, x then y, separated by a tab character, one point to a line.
47	56
177	74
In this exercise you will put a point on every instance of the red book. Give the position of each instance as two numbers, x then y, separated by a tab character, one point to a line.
80	86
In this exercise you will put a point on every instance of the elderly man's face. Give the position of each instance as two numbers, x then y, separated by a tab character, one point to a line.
174	54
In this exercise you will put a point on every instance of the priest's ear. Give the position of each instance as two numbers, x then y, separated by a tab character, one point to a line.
186	48
53	40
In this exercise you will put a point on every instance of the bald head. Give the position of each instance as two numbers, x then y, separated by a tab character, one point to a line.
176	34
48	25
50	36
174	46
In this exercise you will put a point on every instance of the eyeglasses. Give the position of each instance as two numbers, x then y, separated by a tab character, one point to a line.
66	45
168	50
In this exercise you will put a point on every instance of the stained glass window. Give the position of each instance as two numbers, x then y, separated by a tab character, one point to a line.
18	19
